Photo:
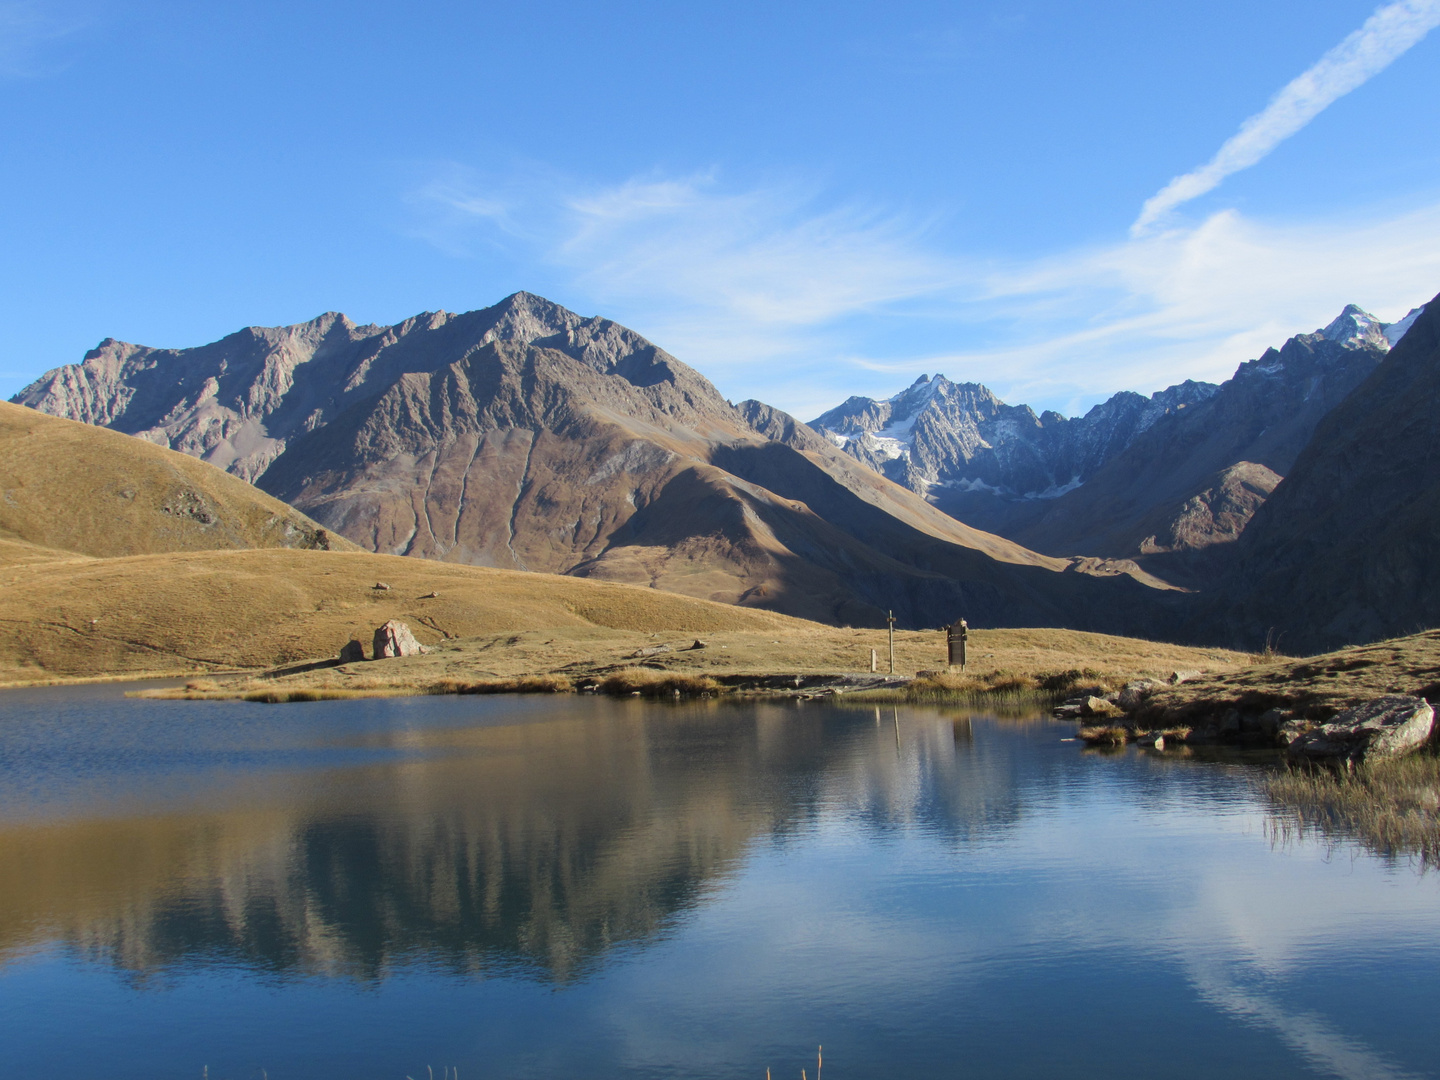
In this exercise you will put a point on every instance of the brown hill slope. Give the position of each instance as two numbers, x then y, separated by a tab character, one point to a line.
205	611
70	486
194	612
523	436
1345	550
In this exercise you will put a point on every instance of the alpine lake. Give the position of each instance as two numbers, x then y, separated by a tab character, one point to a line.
572	886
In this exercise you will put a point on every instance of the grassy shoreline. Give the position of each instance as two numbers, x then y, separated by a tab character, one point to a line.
1391	807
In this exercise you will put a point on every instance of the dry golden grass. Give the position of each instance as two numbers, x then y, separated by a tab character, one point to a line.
648	683
1104	734
588	655
1315	687
1390	807
194	612
521	684
97	492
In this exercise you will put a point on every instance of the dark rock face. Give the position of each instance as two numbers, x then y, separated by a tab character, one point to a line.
1344	551
524	436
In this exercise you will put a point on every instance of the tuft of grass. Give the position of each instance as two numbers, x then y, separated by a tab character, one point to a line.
1105	734
518	684
1074	681
656	684
282	697
1390	807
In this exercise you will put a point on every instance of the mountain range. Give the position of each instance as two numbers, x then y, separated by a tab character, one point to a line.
524	436
1152	479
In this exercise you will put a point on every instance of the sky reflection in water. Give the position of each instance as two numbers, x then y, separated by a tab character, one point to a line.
546	887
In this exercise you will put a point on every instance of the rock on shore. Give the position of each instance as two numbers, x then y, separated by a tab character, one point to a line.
1387	727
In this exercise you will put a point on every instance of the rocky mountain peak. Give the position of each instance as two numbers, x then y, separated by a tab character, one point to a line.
937	433
1355	327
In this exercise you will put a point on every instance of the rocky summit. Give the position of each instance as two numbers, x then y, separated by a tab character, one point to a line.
525	436
1167	480
960	436
1344	550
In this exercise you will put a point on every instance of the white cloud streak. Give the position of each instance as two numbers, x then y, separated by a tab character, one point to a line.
801	306
1386	35
26	28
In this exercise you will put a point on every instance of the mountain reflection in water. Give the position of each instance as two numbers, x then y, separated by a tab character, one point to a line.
538	845
538	887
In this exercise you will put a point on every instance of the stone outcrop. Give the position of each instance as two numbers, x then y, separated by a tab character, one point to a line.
1387	727
395	639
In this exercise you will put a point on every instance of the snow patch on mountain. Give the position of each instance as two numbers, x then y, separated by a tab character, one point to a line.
1396	330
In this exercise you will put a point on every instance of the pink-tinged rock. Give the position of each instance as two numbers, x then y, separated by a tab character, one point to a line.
395	639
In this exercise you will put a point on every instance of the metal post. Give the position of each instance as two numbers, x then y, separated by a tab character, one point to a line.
892	642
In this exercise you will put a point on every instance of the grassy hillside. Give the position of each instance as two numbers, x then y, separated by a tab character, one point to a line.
203	611
120	558
70	486
192	612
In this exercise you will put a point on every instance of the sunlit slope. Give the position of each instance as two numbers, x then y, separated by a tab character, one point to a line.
77	488
223	610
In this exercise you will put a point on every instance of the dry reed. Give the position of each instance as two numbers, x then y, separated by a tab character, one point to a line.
648	683
1390	807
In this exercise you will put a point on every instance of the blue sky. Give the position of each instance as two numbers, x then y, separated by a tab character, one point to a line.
802	200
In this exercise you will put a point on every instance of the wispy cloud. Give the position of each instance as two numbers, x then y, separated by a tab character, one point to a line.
27	27
1386	35
777	295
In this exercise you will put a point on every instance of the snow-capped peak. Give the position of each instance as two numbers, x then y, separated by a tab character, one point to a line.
1354	327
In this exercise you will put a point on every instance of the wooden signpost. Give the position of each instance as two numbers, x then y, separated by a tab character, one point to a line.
956	637
891	616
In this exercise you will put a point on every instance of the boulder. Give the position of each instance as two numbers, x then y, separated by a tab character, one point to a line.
352	652
1099	706
1386	727
381	586
1177	677
649	650
395	639
1136	692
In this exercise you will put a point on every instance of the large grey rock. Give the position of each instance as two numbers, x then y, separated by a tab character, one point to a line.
395	639
1384	728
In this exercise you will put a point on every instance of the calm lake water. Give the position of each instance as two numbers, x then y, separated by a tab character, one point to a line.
563	887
